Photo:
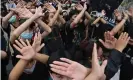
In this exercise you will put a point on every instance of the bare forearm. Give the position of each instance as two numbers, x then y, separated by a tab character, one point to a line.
18	70
80	15
88	15
51	23
96	21
91	77
45	26
103	21
41	58
118	27
61	19
6	18
22	28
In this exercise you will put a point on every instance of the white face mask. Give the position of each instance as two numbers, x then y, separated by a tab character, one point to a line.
30	71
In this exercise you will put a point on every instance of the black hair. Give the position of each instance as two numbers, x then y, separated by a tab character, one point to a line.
72	12
61	53
4	11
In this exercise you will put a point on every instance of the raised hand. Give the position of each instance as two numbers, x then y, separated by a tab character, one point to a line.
125	15
122	42
79	7
37	46
70	69
109	42
50	7
85	6
39	12
23	12
97	71
59	7
25	49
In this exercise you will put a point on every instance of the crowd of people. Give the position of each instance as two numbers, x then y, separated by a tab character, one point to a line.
66	40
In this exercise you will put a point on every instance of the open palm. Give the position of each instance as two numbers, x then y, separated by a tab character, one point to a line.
26	50
70	69
109	42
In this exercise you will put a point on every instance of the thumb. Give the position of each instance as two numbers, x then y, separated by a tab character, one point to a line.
104	65
38	49
20	56
101	41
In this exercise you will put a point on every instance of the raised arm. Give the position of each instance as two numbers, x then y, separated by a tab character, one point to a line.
96	21
27	52
6	18
41	58
80	15
119	25
24	26
18	69
116	57
51	23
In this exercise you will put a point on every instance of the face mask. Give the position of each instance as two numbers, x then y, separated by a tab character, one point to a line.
12	19
27	35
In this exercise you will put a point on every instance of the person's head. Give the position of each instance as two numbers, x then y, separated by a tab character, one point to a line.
89	48
56	57
73	14
29	5
130	7
29	32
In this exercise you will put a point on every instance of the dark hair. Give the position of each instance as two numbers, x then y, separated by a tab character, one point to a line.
61	53
4	11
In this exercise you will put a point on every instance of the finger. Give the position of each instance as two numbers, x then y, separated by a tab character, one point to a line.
128	39
28	43
61	64
108	35
104	65
20	57
42	46
40	36
101	41
19	44
38	49
59	71
22	42
123	37
58	67
67	60
120	37
105	35
17	47
94	55
126	36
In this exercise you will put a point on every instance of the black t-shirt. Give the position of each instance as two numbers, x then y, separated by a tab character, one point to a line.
74	35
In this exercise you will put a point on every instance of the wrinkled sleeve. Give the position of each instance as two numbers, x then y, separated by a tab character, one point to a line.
114	61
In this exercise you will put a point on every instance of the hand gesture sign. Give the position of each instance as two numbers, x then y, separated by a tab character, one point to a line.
23	12
25	49
79	7
122	42
109	42
97	70
37	46
125	15
50	7
39	12
69	68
